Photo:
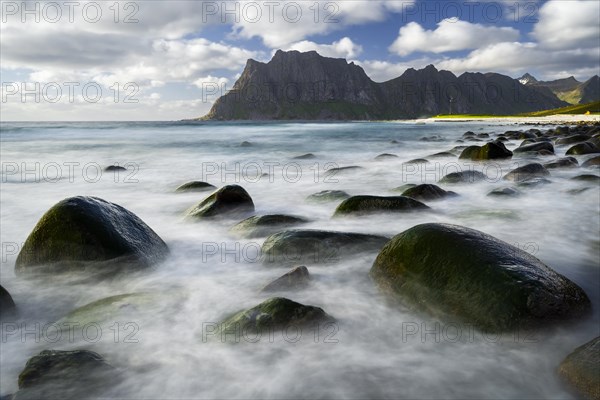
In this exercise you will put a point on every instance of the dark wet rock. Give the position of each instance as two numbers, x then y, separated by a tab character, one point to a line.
483	135
265	225
307	156
587	178
385	156
573	139
583	148
427	192
577	191
505	192
417	161
433	138
328	196
317	247
533	182
463	177
274	314
246	144
362	205
228	201
91	234
54	374
195	186
502	139
7	305
394	142
460	273
592	162
529	171
581	369
565	162
295	279
340	170
403	188
468	134
114	168
490	151
442	154
535	148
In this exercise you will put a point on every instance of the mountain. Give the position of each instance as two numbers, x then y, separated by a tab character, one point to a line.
307	86
568	89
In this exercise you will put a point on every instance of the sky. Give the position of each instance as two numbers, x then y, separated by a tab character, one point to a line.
170	60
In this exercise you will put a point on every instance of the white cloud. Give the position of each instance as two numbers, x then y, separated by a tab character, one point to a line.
568	24
449	36
343	48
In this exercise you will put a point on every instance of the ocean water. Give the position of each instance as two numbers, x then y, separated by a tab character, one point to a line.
376	349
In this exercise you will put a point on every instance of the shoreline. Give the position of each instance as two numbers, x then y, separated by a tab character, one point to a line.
546	120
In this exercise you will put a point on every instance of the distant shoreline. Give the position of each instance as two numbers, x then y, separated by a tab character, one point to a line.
546	120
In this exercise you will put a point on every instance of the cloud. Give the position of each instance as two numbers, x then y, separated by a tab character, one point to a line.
343	48
568	24
449	36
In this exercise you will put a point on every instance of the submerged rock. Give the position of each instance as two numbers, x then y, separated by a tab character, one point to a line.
583	148
592	162
581	369
7	305
265	225
114	168
526	172
195	186
307	156
88	233
573	139
54	374
362	205
403	188
427	192
505	192
565	162
417	161
229	201
533	182
339	170
294	279
453	271
586	178
274	314
327	196
463	177
385	156
539	147
490	151
317	247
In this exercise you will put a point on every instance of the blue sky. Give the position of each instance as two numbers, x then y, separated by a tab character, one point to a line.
168	60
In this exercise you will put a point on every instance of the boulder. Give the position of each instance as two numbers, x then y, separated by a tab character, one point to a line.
265	225
274	314
363	205
490	151
316	247
403	188
581	369
583	148
587	178
385	156
88	233
417	161
54	374
334	171
328	196
307	156
592	162
427	192
538	147
526	172
229	201
505	192
294	279
7	305
463	177
460	273
114	168
565	162
246	144
573	139
195	186
533	182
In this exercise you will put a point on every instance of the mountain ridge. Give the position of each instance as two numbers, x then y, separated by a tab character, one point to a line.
308	86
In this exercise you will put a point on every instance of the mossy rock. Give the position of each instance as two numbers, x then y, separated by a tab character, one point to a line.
581	369
316	247
364	205
195	186
228	201
77	374
7	305
490	151
526	172
463	177
579	138
295	279
326	196
119	308
462	274
427	192
92	235
538	147
274	314
583	148
592	162
565	162
265	225
504	192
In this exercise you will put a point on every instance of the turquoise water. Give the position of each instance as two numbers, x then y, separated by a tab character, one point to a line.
370	353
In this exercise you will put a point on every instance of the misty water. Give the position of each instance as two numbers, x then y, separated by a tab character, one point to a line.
372	350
